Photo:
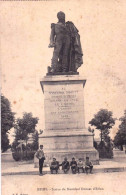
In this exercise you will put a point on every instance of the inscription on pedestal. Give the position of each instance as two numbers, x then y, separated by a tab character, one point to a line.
64	108
65	134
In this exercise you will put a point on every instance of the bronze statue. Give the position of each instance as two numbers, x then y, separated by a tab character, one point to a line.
67	54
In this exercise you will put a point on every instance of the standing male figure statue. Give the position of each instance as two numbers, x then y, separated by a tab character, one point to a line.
67	54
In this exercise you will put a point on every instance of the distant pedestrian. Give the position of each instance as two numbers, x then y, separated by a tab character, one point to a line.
88	165
54	166
40	155
73	165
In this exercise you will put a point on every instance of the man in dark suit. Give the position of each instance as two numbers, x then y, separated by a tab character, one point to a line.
73	165
54	166
88	165
65	165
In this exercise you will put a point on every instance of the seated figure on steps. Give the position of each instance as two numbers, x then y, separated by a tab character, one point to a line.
65	165
80	165
88	165
54	166
73	165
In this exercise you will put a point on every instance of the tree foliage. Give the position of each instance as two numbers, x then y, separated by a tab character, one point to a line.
35	137
25	125
120	138
103	121
7	122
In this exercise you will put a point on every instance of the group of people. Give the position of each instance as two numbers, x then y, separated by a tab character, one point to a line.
75	166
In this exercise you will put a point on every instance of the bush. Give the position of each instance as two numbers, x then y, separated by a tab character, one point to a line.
29	155
105	151
16	155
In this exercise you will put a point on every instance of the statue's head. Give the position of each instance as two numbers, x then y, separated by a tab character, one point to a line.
61	15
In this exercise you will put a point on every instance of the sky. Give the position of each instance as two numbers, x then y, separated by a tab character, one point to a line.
25	31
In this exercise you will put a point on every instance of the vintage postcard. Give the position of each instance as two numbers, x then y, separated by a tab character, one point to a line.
63	97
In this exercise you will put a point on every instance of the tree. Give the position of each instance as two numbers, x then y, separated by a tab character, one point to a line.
120	138
23	127
35	137
7	122
103	121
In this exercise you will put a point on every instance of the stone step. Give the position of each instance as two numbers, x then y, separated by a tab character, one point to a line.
47	171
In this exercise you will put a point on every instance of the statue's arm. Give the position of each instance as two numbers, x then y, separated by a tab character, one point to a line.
52	36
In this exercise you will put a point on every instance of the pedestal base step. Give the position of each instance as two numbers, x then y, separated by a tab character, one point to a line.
60	155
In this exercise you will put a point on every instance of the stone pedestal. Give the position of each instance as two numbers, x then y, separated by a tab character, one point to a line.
65	134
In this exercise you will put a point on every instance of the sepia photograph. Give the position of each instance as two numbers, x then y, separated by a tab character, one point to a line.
63	97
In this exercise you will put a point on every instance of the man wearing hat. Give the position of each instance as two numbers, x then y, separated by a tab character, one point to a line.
80	165
40	155
54	166
73	165
65	165
88	165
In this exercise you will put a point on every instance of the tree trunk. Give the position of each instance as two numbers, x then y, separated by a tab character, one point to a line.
101	135
26	149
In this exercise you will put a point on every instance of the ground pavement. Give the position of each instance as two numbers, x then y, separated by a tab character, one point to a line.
10	167
23	179
66	184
